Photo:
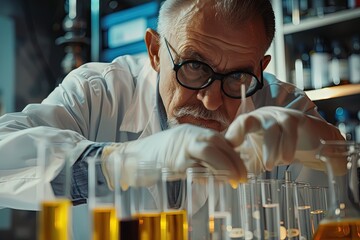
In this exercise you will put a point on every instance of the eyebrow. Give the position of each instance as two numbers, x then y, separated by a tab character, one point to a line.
192	54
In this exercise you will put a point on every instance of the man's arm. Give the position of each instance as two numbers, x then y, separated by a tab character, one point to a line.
64	116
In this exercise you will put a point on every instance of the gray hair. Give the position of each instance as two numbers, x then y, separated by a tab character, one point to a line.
233	11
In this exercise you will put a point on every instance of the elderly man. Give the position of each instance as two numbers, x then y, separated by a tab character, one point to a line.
204	72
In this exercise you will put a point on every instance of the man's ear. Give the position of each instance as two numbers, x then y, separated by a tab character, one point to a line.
152	42
266	60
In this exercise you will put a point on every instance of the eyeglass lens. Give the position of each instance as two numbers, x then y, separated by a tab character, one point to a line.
197	75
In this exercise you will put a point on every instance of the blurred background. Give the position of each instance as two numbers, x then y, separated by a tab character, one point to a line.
42	40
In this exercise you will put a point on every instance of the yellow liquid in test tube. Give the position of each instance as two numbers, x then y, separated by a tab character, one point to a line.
104	224
55	220
176	227
150	226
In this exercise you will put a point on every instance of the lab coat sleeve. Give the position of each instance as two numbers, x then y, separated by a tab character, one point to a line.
277	93
64	116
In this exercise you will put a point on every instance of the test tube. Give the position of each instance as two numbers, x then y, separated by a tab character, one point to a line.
148	193
303	208
290	226
174	209
319	199
197	191
101	203
250	207
55	204
125	203
220	223
270	194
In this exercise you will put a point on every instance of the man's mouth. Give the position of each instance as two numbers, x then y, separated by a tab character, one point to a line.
199	116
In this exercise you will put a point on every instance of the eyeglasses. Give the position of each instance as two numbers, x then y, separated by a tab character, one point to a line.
196	75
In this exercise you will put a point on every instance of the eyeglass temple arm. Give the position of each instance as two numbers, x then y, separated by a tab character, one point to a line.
262	75
168	48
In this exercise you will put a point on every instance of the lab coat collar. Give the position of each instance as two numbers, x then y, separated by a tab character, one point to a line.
142	113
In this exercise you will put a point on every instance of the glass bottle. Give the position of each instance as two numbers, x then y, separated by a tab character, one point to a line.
319	58
342	220
302	71
339	65
318	7
354	60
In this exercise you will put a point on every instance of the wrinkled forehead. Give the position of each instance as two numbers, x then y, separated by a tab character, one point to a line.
203	29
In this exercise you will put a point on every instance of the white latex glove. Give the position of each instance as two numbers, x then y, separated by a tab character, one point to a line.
178	149
279	136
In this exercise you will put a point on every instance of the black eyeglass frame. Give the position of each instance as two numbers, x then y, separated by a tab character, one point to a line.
215	76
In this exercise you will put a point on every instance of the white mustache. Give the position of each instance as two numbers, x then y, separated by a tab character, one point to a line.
199	112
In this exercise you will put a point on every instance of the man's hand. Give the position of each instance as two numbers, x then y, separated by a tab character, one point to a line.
178	149
282	135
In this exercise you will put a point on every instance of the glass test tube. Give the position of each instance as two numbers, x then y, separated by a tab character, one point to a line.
174	209
319	206
101	203
290	226
303	208
250	206
270	194
128	223
55	204
148	193
197	191
220	196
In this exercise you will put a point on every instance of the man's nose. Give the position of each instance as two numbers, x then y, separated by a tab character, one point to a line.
211	96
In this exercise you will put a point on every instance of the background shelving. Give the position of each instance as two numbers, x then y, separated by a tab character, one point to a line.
341	26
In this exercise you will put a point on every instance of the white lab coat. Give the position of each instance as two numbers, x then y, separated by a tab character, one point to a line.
99	102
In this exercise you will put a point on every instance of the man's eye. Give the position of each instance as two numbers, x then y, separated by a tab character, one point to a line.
237	76
195	65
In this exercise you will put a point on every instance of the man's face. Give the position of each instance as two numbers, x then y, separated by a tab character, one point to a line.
225	49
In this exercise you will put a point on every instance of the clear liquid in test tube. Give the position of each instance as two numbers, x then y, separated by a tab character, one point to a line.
220	223
197	192
270	197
